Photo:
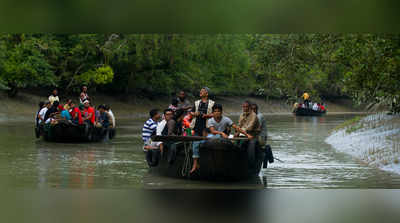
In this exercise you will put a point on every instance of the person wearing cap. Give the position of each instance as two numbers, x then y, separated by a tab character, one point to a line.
201	112
89	113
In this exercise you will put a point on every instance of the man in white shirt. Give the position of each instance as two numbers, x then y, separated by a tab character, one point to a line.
54	97
43	111
108	109
315	107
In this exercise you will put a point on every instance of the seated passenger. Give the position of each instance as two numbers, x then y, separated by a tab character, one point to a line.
37	119
108	109
186	125
322	107
89	113
219	125
43	111
174	105
76	114
51	112
175	123
105	119
250	127
315	107
65	115
162	128
67	105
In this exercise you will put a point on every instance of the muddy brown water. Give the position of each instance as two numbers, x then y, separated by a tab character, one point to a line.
308	162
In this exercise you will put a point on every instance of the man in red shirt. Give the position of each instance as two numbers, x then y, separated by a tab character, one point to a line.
89	112
76	114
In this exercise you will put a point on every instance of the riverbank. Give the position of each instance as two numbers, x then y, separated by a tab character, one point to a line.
374	140
24	105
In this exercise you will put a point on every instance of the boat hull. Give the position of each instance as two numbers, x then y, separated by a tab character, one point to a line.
220	160
308	112
67	132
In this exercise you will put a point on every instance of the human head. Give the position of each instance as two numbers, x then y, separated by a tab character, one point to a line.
56	103
204	92
47	104
217	110
254	108
86	103
55	92
72	105
168	114
182	95
69	101
174	102
84	88
81	106
41	104
107	107
155	114
246	106
101	108
179	114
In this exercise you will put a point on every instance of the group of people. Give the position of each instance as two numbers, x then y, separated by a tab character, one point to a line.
307	104
203	118
52	112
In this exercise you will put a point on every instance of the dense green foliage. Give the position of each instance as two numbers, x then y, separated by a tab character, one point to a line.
362	66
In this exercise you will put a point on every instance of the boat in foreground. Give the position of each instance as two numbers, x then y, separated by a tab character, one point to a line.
220	159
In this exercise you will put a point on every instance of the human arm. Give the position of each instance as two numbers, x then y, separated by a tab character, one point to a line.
239	130
215	132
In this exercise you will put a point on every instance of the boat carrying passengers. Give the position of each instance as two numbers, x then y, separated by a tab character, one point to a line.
51	112
207	120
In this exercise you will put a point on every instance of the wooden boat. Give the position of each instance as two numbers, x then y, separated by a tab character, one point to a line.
308	112
68	132
220	159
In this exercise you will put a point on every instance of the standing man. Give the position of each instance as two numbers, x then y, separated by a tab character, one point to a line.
183	102
262	137
306	98
201	112
54	97
149	129
84	95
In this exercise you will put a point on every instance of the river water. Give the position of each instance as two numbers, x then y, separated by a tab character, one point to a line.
306	161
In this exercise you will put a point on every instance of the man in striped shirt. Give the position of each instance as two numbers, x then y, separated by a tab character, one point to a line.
150	128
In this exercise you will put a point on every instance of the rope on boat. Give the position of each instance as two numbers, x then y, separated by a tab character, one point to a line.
186	163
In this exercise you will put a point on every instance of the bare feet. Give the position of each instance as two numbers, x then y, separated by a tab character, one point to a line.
195	165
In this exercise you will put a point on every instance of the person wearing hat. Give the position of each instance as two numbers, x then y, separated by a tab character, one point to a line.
201	112
89	113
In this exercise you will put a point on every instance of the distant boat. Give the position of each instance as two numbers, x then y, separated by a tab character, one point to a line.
308	112
67	132
220	160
